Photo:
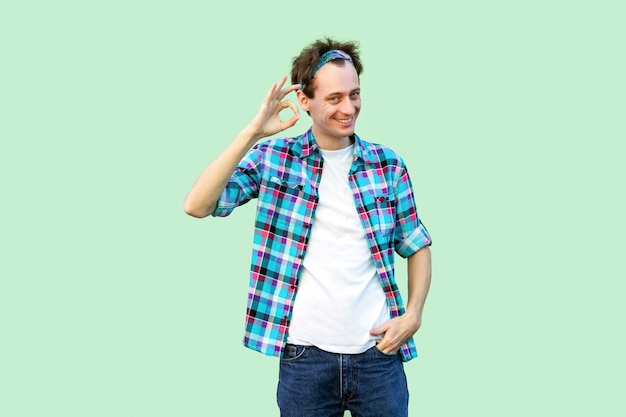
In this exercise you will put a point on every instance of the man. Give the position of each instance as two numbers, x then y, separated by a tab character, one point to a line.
332	209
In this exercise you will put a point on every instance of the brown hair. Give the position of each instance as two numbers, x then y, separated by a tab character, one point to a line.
302	65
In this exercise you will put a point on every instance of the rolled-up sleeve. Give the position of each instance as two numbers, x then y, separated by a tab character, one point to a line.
410	234
243	185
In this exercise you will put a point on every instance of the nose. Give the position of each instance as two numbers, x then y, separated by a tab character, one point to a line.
347	107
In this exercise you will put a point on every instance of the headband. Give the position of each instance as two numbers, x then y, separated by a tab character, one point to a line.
331	56
326	58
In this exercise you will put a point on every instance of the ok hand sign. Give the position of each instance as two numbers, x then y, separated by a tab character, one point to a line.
267	120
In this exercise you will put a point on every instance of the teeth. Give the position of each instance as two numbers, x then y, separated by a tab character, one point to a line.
345	120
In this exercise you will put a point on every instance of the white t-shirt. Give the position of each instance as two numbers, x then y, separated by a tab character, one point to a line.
339	297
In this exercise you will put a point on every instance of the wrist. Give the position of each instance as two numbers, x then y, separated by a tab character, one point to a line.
250	135
413	314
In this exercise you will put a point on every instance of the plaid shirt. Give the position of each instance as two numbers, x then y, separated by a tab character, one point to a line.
284	175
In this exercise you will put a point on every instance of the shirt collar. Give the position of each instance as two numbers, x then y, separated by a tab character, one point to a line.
305	146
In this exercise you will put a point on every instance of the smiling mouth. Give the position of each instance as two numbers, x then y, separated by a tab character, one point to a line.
345	121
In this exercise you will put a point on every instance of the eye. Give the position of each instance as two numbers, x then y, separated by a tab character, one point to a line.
355	94
334	99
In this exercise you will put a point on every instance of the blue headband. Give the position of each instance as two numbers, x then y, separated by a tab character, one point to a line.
331	56
326	58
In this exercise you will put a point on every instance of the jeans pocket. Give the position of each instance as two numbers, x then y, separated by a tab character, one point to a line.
383	354
292	352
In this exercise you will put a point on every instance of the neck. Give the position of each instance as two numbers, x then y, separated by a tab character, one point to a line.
331	143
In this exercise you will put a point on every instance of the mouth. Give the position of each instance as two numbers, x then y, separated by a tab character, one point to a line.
345	121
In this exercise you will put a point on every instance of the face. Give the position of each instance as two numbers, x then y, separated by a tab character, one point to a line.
336	105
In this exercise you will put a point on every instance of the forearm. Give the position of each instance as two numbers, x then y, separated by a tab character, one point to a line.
400	329
201	200
419	276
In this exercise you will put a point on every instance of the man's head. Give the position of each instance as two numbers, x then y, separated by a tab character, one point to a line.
303	66
328	72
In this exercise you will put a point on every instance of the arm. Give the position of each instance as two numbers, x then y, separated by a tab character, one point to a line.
201	200
400	329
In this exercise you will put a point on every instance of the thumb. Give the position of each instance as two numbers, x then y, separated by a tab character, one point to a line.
378	330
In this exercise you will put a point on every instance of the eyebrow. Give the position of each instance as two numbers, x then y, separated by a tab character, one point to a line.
341	93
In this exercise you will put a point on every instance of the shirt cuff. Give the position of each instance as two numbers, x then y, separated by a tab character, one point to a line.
415	241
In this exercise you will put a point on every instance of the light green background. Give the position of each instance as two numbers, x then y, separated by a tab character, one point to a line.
511	118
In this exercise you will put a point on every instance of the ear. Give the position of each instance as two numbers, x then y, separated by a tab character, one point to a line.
303	100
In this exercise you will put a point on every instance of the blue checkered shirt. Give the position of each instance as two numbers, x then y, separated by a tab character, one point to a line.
284	175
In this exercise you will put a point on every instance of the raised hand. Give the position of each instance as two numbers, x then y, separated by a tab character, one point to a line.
202	198
267	120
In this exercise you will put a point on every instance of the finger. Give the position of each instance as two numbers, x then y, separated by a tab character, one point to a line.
275	87
281	82
381	345
296	116
291	122
384	347
287	90
378	330
270	93
289	104
388	347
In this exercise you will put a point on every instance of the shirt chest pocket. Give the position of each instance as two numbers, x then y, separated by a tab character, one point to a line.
288	184
283	201
381	211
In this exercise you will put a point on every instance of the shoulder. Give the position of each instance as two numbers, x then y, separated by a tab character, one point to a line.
380	154
274	152
276	144
273	149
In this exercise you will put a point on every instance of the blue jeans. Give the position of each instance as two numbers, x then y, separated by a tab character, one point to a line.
315	383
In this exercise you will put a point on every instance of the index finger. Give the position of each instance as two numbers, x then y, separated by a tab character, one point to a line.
289	89
282	81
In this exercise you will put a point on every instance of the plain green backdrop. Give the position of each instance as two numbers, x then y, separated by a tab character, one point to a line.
509	114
